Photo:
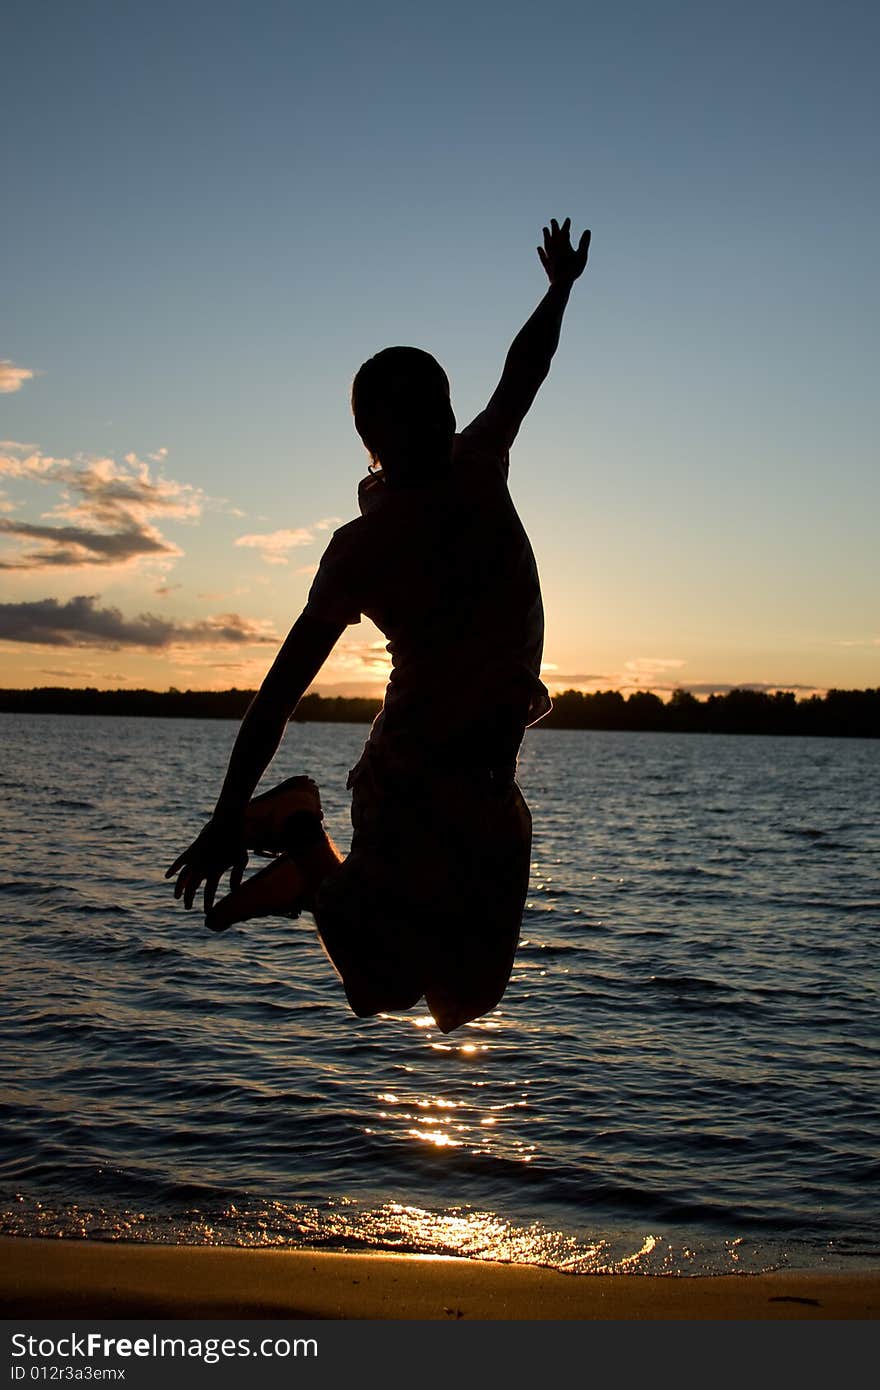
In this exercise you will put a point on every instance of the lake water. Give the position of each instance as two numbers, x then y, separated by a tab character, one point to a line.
681	1077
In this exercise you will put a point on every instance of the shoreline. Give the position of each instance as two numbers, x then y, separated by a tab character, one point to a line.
737	710
45	1278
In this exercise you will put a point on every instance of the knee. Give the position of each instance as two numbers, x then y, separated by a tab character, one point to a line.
368	998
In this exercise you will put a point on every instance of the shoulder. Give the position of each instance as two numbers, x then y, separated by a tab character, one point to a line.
480	457
336	591
346	536
482	446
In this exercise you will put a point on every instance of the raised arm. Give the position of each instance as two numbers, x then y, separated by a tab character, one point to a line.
220	846
531	352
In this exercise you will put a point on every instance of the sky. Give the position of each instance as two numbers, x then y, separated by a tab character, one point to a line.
214	212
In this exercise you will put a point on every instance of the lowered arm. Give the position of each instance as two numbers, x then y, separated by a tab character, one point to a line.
220	846
303	653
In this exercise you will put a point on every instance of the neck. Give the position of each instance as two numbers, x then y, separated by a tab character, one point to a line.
407	470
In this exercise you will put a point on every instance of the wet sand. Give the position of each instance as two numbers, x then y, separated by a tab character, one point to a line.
75	1279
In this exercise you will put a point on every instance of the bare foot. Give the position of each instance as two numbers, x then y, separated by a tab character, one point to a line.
276	891
267	816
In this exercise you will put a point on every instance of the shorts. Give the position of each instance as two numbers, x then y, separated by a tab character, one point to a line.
429	901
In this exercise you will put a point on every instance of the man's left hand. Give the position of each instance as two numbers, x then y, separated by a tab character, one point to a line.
219	847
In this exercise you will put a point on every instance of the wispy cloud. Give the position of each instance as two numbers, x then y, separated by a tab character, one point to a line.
554	677
639	673
362	658
767	687
83	673
626	682
68	673
110	510
274	545
368	689
12	378
206	672
653	665
79	622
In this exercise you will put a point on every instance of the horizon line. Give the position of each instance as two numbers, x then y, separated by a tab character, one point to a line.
700	691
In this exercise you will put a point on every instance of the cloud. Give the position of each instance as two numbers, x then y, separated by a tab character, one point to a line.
641	673
577	678
273	545
362	657
626	681
206	672
12	378
109	508
66	672
73	546
648	665
197	660
768	687
371	690
83	673
25	461
78	622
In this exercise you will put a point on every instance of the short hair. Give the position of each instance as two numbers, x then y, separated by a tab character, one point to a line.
399	379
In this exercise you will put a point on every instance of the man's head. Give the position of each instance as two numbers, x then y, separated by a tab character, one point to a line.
402	411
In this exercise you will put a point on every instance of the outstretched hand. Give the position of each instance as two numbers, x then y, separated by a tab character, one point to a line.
563	262
219	847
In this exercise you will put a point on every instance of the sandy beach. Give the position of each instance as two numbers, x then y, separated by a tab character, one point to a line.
53	1278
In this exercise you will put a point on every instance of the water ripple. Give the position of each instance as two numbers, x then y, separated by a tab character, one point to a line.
681	1077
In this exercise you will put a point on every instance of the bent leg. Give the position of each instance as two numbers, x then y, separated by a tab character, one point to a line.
370	943
268	816
474	953
282	889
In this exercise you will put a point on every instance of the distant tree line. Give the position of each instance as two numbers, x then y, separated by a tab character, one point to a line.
839	713
177	704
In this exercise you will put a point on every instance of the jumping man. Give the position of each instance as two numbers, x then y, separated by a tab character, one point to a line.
429	900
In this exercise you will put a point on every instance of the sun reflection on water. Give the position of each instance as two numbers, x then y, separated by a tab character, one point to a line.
346	1223
440	1141
471	1115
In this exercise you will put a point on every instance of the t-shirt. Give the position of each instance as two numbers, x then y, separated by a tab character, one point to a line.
446	572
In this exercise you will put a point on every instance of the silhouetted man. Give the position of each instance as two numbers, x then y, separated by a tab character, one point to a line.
429	900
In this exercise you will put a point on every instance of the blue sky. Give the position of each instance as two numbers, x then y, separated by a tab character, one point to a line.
215	212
